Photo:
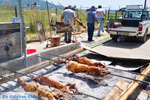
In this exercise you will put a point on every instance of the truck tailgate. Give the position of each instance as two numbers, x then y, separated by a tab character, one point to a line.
123	29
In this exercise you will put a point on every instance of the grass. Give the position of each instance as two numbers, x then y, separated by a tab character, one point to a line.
6	14
31	16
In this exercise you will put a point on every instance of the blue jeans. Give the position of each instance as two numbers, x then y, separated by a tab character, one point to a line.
100	20
90	31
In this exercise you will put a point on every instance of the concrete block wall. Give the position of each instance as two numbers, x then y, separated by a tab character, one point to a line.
32	59
10	41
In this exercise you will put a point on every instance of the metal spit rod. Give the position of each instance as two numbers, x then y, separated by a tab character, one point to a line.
72	95
28	76
130	72
110	74
129	78
25	74
78	91
104	72
16	72
108	67
8	78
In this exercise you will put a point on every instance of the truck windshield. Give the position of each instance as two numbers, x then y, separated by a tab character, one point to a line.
136	14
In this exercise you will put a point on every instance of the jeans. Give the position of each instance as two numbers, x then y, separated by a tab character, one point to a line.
90	31
68	37
100	20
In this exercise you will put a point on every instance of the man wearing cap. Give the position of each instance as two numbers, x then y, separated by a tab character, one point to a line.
68	16
100	16
91	18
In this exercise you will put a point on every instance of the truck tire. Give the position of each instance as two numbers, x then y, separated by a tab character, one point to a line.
144	38
114	38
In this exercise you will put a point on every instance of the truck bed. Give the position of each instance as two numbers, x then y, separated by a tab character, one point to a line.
124	29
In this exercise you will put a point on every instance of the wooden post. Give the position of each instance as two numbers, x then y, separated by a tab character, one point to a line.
115	93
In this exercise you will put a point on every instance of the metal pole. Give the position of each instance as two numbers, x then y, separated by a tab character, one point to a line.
108	14
61	5
77	23
56	14
145	4
115	15
22	31
102	72
48	21
16	11
48	12
56	7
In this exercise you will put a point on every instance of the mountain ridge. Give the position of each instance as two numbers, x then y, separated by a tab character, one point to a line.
40	4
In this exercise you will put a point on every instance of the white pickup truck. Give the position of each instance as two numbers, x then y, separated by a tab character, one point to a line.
134	23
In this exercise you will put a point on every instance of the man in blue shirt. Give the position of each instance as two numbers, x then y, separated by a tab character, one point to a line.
91	18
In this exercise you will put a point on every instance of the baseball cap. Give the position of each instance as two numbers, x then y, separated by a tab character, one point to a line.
93	7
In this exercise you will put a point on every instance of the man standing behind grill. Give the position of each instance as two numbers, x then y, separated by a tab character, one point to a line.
100	16
91	18
68	16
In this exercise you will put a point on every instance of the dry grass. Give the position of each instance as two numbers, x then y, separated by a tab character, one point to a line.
32	16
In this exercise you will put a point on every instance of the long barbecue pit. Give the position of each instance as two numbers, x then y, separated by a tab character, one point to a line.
77	78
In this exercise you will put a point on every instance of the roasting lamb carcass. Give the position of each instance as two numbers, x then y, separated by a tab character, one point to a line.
85	60
45	80
82	60
32	87
78	68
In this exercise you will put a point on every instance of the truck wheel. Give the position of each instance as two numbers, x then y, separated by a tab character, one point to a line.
144	38
114	38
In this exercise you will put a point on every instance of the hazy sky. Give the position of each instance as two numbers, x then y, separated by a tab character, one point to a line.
114	4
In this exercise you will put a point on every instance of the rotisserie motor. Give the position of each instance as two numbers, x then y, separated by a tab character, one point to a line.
32	87
45	80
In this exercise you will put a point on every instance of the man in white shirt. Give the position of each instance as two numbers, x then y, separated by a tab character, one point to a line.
69	17
100	16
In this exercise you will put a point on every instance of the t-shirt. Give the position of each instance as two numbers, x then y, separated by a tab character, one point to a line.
91	17
100	13
68	15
